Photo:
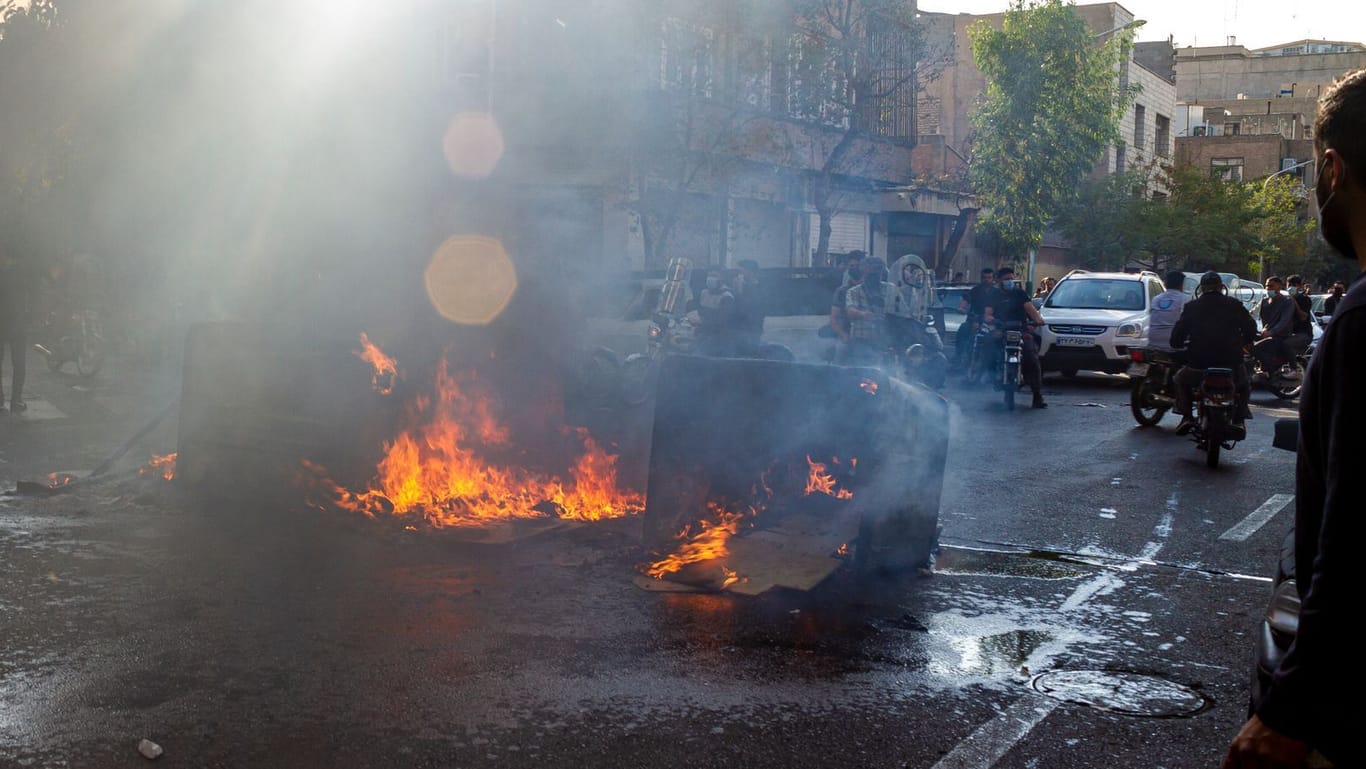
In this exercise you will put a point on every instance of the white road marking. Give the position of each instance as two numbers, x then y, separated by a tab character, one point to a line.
1258	518
992	740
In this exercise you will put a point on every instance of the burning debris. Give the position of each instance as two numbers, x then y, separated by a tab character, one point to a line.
386	373
705	557
457	465
162	465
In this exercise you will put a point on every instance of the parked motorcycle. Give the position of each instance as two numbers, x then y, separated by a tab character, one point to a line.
1212	411
1154	392
1285	378
80	340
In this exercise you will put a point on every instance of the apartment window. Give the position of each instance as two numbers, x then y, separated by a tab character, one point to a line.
894	87
754	72
1232	129
815	84
1162	135
1140	119
1228	169
685	58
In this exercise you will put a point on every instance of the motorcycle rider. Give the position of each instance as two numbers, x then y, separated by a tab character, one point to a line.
1010	304
1277	312
715	311
839	317
908	313
1302	333
1213	328
1165	310
868	305
1331	302
973	307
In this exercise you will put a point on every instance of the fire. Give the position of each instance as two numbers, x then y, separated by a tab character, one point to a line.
868	386
386	369
821	482
439	469
161	464
56	481
707	544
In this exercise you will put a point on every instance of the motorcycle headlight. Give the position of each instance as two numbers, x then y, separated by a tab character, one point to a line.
655	332
1283	613
1134	330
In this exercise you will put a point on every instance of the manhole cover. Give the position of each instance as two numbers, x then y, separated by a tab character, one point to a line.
1132	694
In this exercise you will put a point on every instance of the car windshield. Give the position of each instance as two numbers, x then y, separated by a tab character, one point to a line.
952	297
1097	294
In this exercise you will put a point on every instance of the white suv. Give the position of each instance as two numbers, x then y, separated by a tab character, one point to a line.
1091	319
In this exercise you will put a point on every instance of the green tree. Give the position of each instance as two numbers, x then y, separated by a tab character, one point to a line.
1112	222
1052	103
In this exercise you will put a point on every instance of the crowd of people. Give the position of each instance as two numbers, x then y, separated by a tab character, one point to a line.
872	316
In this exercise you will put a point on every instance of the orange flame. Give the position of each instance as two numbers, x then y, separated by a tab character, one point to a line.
435	470
161	464
821	482
707	544
869	386
386	369
55	481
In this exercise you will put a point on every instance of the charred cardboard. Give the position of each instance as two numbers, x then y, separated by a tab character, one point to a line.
721	423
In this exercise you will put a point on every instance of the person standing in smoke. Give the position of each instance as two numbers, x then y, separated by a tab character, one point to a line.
749	310
15	291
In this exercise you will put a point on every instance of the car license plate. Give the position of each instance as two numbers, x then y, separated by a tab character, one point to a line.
1138	369
1075	341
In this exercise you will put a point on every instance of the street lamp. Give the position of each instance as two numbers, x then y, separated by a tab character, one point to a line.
1261	259
1135	24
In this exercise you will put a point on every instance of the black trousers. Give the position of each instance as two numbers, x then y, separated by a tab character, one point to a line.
14	339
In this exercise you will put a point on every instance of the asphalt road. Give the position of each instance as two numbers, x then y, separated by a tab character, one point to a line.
1080	553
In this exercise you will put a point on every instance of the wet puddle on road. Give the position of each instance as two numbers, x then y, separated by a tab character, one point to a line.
1123	692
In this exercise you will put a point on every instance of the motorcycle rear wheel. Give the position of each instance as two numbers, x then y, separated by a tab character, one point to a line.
1284	390
1145	415
639	374
1211	452
1010	385
89	360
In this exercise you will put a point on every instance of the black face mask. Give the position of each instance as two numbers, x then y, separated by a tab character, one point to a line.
1333	220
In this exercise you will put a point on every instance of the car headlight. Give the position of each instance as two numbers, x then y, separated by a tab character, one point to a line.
1130	329
1283	613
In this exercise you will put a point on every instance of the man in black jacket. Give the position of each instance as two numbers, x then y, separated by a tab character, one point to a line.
1314	702
1214	329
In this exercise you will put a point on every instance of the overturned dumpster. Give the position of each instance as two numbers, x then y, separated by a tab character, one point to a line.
771	474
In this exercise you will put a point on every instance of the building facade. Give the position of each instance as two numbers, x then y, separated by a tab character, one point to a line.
636	132
950	94
1249	114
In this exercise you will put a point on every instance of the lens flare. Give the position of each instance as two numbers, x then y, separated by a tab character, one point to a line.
470	279
473	145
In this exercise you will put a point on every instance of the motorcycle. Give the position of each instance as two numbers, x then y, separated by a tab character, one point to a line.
1012	357
667	334
919	351
1212	412
1286	377
79	341
1154	392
